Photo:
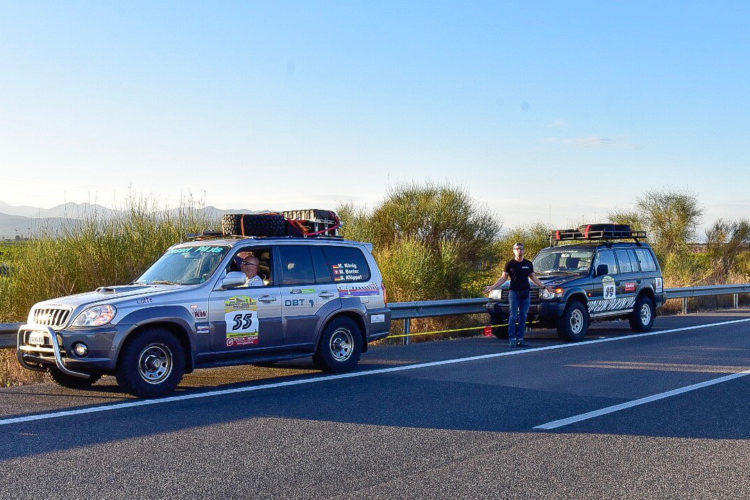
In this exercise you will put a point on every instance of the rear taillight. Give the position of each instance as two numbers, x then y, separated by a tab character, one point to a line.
385	292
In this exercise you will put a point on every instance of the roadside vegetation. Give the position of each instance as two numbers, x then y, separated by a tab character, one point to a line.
431	242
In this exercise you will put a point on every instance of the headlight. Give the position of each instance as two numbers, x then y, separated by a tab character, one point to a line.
95	316
546	295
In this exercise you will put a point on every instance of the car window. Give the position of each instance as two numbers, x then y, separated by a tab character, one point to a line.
645	259
296	265
634	260
322	271
623	260
347	264
606	257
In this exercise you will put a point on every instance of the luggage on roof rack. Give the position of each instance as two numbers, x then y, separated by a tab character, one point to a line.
303	223
598	232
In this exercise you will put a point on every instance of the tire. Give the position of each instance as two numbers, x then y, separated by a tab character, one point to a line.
72	382
151	364
253	224
574	323
500	332
642	317
340	346
498	318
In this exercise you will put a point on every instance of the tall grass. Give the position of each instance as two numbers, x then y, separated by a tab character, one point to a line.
98	251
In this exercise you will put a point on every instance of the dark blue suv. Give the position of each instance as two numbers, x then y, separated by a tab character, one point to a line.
599	272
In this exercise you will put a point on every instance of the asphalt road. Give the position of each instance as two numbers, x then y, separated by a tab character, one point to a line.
462	418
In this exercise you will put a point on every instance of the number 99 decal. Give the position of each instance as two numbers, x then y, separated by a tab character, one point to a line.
609	289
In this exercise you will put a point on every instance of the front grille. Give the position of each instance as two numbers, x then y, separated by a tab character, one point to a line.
54	317
534	293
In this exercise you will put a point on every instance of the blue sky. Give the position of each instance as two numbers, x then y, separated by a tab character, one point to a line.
556	112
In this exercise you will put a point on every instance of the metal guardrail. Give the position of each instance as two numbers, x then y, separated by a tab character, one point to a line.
406	311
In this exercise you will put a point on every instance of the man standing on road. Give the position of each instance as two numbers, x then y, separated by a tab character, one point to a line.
520	272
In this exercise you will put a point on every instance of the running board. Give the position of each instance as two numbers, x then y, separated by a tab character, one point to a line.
246	360
621	312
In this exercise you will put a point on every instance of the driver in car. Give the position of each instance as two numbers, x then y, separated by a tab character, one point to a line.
249	266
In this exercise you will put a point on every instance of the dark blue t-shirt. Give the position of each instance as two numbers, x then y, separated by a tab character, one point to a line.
519	274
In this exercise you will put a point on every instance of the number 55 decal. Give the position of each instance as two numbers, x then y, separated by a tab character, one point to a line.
242	322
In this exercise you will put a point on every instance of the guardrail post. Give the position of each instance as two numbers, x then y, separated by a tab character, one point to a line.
684	305
736	300
407	331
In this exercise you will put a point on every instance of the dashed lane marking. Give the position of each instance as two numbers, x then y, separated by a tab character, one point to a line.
318	379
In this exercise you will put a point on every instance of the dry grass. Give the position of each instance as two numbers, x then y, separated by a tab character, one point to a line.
12	373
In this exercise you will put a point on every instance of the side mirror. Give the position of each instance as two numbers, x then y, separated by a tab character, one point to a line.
233	280
602	269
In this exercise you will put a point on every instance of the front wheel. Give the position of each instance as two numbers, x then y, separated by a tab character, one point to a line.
72	382
340	346
151	364
574	322
642	317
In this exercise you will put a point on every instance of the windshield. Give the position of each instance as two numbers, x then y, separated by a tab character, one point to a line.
184	265
560	260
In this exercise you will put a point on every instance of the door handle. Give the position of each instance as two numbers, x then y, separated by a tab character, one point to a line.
267	298
325	295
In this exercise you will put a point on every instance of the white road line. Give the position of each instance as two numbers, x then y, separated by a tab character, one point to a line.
236	390
642	401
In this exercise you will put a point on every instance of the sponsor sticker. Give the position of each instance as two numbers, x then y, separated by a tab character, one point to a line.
630	287
241	318
144	300
358	290
299	303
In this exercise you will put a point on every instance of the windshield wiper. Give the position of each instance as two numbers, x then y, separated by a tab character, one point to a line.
164	282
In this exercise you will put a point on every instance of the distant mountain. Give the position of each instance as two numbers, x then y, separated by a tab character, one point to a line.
19	211
66	210
28	221
14	225
79	211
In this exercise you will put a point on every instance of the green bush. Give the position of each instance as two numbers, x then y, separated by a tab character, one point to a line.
428	240
94	253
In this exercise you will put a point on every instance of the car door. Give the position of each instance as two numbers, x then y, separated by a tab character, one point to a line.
245	318
629	282
603	296
306	287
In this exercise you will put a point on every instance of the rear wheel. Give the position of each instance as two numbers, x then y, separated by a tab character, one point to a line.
151	364
340	346
574	322
71	381
500	332
642	317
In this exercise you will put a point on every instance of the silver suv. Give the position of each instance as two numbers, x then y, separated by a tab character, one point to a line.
191	309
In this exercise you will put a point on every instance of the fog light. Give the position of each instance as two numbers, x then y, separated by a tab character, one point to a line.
80	349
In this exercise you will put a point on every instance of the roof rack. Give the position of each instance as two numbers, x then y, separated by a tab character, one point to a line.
309	223
597	232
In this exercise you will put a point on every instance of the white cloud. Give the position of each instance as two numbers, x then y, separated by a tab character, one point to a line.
593	141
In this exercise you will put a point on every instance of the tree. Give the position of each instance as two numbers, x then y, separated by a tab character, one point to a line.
671	219
427	239
725	240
